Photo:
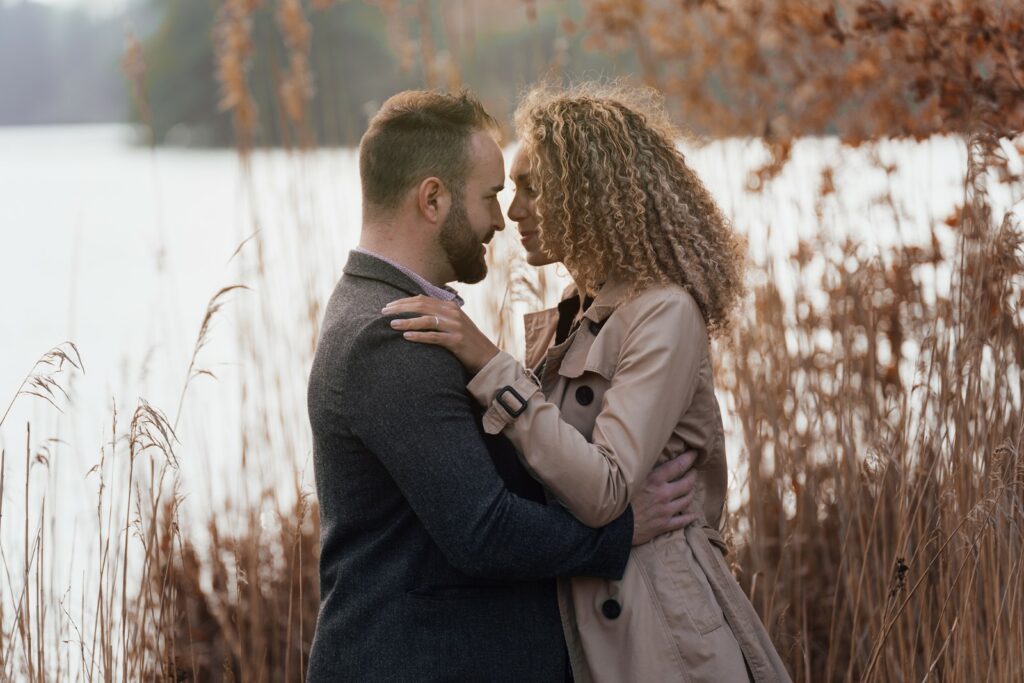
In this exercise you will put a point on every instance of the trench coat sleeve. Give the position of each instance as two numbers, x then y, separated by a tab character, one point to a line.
412	411
652	386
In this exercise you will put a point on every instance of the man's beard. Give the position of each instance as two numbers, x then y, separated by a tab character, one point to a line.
461	245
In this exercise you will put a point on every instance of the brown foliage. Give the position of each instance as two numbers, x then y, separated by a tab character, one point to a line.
862	69
232	38
244	606
296	87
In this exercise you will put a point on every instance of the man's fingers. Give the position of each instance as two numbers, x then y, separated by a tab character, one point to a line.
681	504
673	523
678	521
688	519
683	485
675	467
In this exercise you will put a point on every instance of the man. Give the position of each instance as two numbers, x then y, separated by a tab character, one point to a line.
438	551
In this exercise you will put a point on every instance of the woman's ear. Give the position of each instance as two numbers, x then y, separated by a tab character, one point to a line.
433	199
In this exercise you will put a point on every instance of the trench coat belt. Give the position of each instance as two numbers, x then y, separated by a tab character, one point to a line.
715	538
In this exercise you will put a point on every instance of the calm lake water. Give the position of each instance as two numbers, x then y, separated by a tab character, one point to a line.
119	248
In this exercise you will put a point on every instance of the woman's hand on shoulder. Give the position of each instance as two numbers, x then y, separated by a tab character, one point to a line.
442	323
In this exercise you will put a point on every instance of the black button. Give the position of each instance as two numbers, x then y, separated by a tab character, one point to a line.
595	327
611	608
584	395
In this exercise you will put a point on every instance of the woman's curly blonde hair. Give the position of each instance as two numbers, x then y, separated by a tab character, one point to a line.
617	198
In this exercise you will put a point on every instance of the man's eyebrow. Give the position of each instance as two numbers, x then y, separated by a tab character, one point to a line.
498	188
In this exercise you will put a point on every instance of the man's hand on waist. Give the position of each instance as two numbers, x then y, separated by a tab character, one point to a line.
664	502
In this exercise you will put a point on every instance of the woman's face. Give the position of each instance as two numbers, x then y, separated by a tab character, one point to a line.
523	211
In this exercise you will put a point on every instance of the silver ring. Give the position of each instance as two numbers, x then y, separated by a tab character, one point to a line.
437	324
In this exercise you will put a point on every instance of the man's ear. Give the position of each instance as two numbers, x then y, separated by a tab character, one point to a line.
433	199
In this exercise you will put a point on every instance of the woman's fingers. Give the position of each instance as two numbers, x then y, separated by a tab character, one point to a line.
443	323
422	322
420	304
413	300
439	338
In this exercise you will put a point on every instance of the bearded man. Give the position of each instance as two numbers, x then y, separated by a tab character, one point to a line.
438	551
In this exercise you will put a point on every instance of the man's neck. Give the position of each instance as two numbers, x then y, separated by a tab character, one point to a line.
414	257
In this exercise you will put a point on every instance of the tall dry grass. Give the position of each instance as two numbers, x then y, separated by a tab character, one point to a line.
881	534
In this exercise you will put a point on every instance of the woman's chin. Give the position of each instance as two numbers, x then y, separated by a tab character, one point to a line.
538	259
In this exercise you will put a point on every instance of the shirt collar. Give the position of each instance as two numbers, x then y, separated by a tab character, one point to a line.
444	292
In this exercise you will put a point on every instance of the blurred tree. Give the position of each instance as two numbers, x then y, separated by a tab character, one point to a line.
332	63
351	66
178	75
58	66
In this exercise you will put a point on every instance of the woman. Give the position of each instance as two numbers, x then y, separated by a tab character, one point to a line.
623	376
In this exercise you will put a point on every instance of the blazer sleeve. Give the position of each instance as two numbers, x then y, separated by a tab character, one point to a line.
653	384
410	408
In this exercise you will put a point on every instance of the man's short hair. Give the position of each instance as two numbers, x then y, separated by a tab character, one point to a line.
415	135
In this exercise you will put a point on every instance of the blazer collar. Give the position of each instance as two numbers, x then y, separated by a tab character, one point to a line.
372	268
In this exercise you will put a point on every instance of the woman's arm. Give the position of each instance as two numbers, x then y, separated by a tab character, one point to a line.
654	381
652	386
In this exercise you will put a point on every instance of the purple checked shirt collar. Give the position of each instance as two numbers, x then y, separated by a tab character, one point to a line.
444	293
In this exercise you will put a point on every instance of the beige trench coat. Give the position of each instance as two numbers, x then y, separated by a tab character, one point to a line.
623	393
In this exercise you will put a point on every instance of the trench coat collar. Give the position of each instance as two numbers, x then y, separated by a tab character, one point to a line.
540	326
608	298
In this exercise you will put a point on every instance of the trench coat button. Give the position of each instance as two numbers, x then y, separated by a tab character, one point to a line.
595	327
584	395
611	608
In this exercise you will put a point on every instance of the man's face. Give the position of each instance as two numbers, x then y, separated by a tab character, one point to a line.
523	210
475	216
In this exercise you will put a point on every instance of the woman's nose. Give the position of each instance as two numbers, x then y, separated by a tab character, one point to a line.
515	210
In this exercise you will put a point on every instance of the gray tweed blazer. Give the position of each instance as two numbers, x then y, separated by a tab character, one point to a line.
437	552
